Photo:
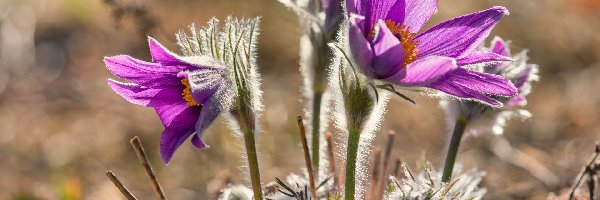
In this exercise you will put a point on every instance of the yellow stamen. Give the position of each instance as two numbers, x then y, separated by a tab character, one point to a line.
407	39
187	94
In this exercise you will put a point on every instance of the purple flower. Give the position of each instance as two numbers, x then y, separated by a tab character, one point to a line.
519	72
385	44
482	117
185	92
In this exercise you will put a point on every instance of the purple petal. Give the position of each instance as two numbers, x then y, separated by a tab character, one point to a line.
359	45
462	91
524	76
333	12
161	54
517	100
141	72
197	142
483	82
384	40
168	113
205	82
211	109
389	53
464	83
177	131
388	63
171	60
423	71
500	47
354	6
459	36
412	13
145	96
481	56
375	10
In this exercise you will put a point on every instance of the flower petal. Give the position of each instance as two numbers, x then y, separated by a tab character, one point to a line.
205	82
480	57
423	71
145	96
177	131
459	36
354	6
141	72
359	45
483	82
333	12
412	13
464	92
171	60
389	53
211	109
469	84
197	142
168	113
375	10
161	54
500	47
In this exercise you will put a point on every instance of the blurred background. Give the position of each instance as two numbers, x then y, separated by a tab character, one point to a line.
62	128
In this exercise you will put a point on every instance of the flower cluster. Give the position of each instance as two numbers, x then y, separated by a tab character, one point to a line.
355	54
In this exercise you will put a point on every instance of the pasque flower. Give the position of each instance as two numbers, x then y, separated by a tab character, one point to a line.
466	115
385	44
482	117
185	92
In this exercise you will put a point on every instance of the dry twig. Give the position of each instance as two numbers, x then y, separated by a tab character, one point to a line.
136	144
120	186
313	189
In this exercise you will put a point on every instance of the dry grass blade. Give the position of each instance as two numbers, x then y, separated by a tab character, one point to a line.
583	172
396	167
331	156
120	186
136	143
313	189
383	177
375	175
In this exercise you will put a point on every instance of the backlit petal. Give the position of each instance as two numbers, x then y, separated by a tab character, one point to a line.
459	36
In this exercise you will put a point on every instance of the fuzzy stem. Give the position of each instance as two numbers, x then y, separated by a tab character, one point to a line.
459	129
316	119
253	163
353	140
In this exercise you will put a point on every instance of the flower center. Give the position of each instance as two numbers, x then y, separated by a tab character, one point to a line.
187	93
407	39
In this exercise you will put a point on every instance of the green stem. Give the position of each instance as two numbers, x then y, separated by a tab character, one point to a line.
253	163
459	129
353	139
316	137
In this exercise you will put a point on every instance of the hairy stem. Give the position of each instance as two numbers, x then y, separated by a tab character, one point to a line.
353	139
253	163
459	129
316	119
